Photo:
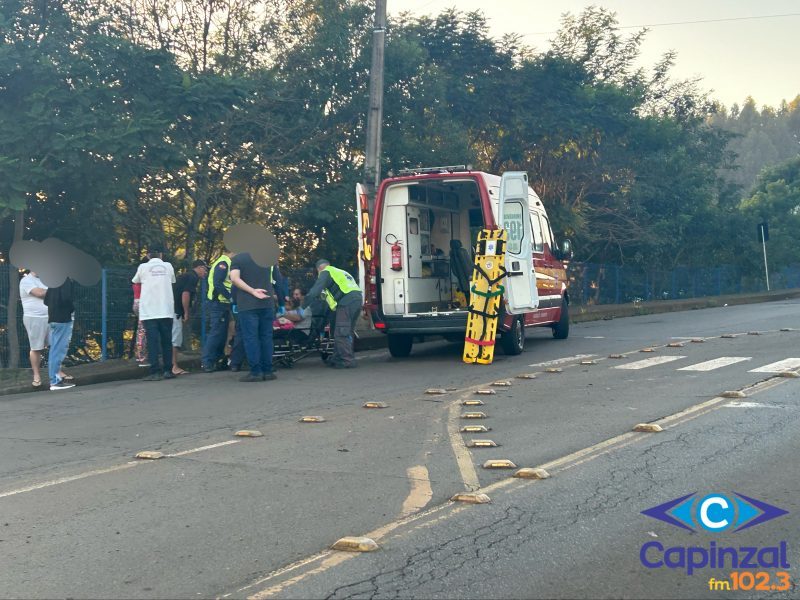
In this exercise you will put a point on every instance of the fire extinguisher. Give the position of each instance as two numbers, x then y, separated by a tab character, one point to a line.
397	254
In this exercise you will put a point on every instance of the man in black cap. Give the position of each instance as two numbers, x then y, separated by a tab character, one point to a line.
342	294
184	290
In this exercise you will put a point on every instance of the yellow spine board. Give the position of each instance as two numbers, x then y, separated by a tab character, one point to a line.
487	292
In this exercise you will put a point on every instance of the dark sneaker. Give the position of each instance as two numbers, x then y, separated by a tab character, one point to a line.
153	377
207	369
235	368
61	385
268	377
169	375
250	378
339	365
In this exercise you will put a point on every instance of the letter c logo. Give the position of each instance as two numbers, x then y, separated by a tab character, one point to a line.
715	512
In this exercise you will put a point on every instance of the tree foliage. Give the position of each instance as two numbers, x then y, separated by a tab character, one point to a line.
776	200
761	138
165	121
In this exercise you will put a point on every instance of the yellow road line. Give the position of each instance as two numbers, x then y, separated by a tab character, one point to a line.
463	458
421	492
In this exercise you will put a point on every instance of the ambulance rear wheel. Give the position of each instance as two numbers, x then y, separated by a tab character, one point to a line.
561	329
400	345
513	340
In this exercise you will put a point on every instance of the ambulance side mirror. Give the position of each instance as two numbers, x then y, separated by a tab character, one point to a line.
565	252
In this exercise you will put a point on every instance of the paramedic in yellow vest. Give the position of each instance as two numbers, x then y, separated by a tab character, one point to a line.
341	292
218	297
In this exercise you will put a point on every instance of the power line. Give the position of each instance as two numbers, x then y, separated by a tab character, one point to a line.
751	18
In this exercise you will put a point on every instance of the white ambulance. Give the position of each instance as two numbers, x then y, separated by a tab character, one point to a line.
416	256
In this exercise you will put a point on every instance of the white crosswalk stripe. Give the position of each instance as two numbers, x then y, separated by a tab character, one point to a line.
716	363
777	367
649	362
561	361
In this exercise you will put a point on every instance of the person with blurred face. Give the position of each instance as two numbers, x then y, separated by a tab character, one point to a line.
35	318
257	289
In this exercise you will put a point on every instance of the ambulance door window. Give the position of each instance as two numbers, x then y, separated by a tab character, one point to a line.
514	225
536	227
547	232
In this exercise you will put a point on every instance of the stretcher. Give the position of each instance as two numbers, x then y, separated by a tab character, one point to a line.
486	293
292	345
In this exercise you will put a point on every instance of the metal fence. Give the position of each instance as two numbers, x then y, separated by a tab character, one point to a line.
105	323
591	283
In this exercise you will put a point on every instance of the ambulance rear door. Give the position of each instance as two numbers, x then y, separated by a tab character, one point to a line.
514	214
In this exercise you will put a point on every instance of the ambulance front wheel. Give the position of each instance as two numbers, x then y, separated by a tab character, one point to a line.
400	345
513	340
561	328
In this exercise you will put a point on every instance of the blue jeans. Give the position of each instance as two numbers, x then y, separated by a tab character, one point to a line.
214	348
60	336
256	326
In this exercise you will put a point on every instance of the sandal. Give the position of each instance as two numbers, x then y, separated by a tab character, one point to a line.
36	383
181	372
66	377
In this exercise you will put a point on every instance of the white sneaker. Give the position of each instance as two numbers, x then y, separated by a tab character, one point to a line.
61	385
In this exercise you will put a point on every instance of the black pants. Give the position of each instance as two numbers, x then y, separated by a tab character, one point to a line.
159	337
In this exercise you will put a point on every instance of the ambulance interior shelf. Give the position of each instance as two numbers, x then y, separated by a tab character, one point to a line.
434	277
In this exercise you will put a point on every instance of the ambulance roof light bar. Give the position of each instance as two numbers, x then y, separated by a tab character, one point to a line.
423	170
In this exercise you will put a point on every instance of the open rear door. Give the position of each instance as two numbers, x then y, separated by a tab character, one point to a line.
513	213
364	247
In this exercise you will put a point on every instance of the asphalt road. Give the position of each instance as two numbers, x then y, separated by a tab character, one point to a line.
226	516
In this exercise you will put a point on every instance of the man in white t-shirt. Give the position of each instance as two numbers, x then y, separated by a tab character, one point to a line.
157	312
34	317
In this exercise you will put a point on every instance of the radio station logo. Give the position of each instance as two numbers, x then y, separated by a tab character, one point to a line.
719	514
715	512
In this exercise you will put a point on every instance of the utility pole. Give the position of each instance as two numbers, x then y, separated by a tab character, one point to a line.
372	169
763	234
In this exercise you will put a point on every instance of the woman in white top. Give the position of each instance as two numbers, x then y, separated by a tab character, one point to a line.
34	317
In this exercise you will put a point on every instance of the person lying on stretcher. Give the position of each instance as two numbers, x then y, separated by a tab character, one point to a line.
309	324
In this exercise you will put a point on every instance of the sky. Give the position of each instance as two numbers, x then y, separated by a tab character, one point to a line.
758	57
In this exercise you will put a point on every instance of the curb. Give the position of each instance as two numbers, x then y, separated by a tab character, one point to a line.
113	370
585	314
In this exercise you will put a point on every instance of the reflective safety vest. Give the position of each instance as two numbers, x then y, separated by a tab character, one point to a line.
227	282
344	281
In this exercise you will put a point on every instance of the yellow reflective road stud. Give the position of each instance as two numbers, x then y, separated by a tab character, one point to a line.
485	297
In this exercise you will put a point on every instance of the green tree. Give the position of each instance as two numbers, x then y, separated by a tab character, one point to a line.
776	200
